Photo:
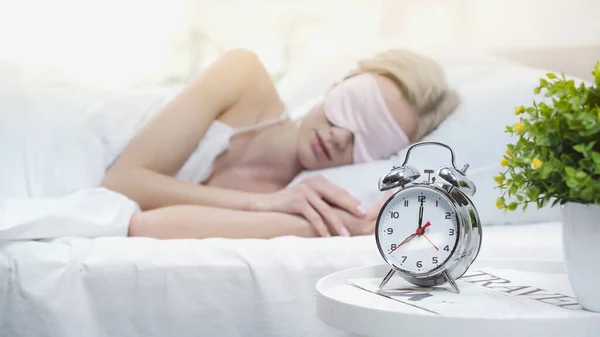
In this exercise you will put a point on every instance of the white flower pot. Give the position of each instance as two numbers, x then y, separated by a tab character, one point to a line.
581	243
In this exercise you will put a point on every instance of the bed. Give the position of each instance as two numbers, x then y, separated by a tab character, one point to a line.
111	286
68	269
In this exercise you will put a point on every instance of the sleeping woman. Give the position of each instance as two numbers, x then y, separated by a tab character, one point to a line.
217	159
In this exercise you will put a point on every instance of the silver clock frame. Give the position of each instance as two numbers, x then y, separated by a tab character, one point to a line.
456	189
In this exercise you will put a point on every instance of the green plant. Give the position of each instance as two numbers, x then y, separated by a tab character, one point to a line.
556	155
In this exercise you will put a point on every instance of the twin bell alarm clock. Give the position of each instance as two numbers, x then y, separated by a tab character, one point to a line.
428	231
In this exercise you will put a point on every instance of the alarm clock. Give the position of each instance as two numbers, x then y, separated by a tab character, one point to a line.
429	231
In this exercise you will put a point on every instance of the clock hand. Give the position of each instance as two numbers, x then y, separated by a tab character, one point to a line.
422	229
403	242
434	246
410	237
421	214
426	225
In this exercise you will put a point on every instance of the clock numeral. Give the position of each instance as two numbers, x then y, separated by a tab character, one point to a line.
447	248
451	232
393	246
419	264
390	231
448	215
434	260
394	215
405	203
403	259
421	198
436	203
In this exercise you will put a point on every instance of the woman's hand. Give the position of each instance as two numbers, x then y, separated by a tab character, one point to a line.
315	198
364	225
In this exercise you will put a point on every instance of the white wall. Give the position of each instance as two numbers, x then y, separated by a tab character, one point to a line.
282	30
123	42
494	24
118	42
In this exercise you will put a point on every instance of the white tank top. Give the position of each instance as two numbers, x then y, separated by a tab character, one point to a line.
116	120
199	165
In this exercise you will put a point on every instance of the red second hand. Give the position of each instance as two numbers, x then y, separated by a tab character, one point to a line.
434	246
403	242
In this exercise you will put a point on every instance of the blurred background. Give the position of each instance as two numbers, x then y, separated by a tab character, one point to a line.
77	77
121	43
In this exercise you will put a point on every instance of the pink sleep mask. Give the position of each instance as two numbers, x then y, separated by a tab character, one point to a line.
358	106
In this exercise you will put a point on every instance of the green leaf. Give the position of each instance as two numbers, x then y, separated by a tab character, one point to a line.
519	180
538	203
551	76
545	201
499	178
541	139
596	159
533	192
555	202
596	73
594	96
546	170
587	193
575	102
581	148
513	189
586	162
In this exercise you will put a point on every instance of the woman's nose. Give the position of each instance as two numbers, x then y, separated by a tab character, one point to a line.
343	138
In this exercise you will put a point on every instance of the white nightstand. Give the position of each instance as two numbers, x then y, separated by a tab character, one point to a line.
509	298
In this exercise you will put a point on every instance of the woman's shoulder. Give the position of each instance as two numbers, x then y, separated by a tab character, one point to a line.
261	103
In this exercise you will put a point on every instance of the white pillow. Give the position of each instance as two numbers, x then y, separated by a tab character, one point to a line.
44	150
490	88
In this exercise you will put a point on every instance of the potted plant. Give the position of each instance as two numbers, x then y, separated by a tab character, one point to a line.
555	160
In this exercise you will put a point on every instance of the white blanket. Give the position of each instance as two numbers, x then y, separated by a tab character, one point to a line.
120	286
89	212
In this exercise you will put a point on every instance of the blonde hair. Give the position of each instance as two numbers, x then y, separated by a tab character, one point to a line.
420	79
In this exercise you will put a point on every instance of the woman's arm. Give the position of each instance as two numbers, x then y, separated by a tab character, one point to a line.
188	221
198	222
144	170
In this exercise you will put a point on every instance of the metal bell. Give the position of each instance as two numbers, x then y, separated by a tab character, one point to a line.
457	179
398	176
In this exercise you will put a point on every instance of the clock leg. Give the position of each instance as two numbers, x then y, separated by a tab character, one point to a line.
452	283
387	278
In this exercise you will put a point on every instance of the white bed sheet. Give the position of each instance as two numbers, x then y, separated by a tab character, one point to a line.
120	286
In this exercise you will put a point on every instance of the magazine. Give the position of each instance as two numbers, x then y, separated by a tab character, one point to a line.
485	292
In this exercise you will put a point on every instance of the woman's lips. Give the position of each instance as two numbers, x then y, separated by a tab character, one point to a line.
320	147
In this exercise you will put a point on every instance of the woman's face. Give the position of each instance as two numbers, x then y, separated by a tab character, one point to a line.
322	144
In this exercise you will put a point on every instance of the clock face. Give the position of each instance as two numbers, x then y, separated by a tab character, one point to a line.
417	230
